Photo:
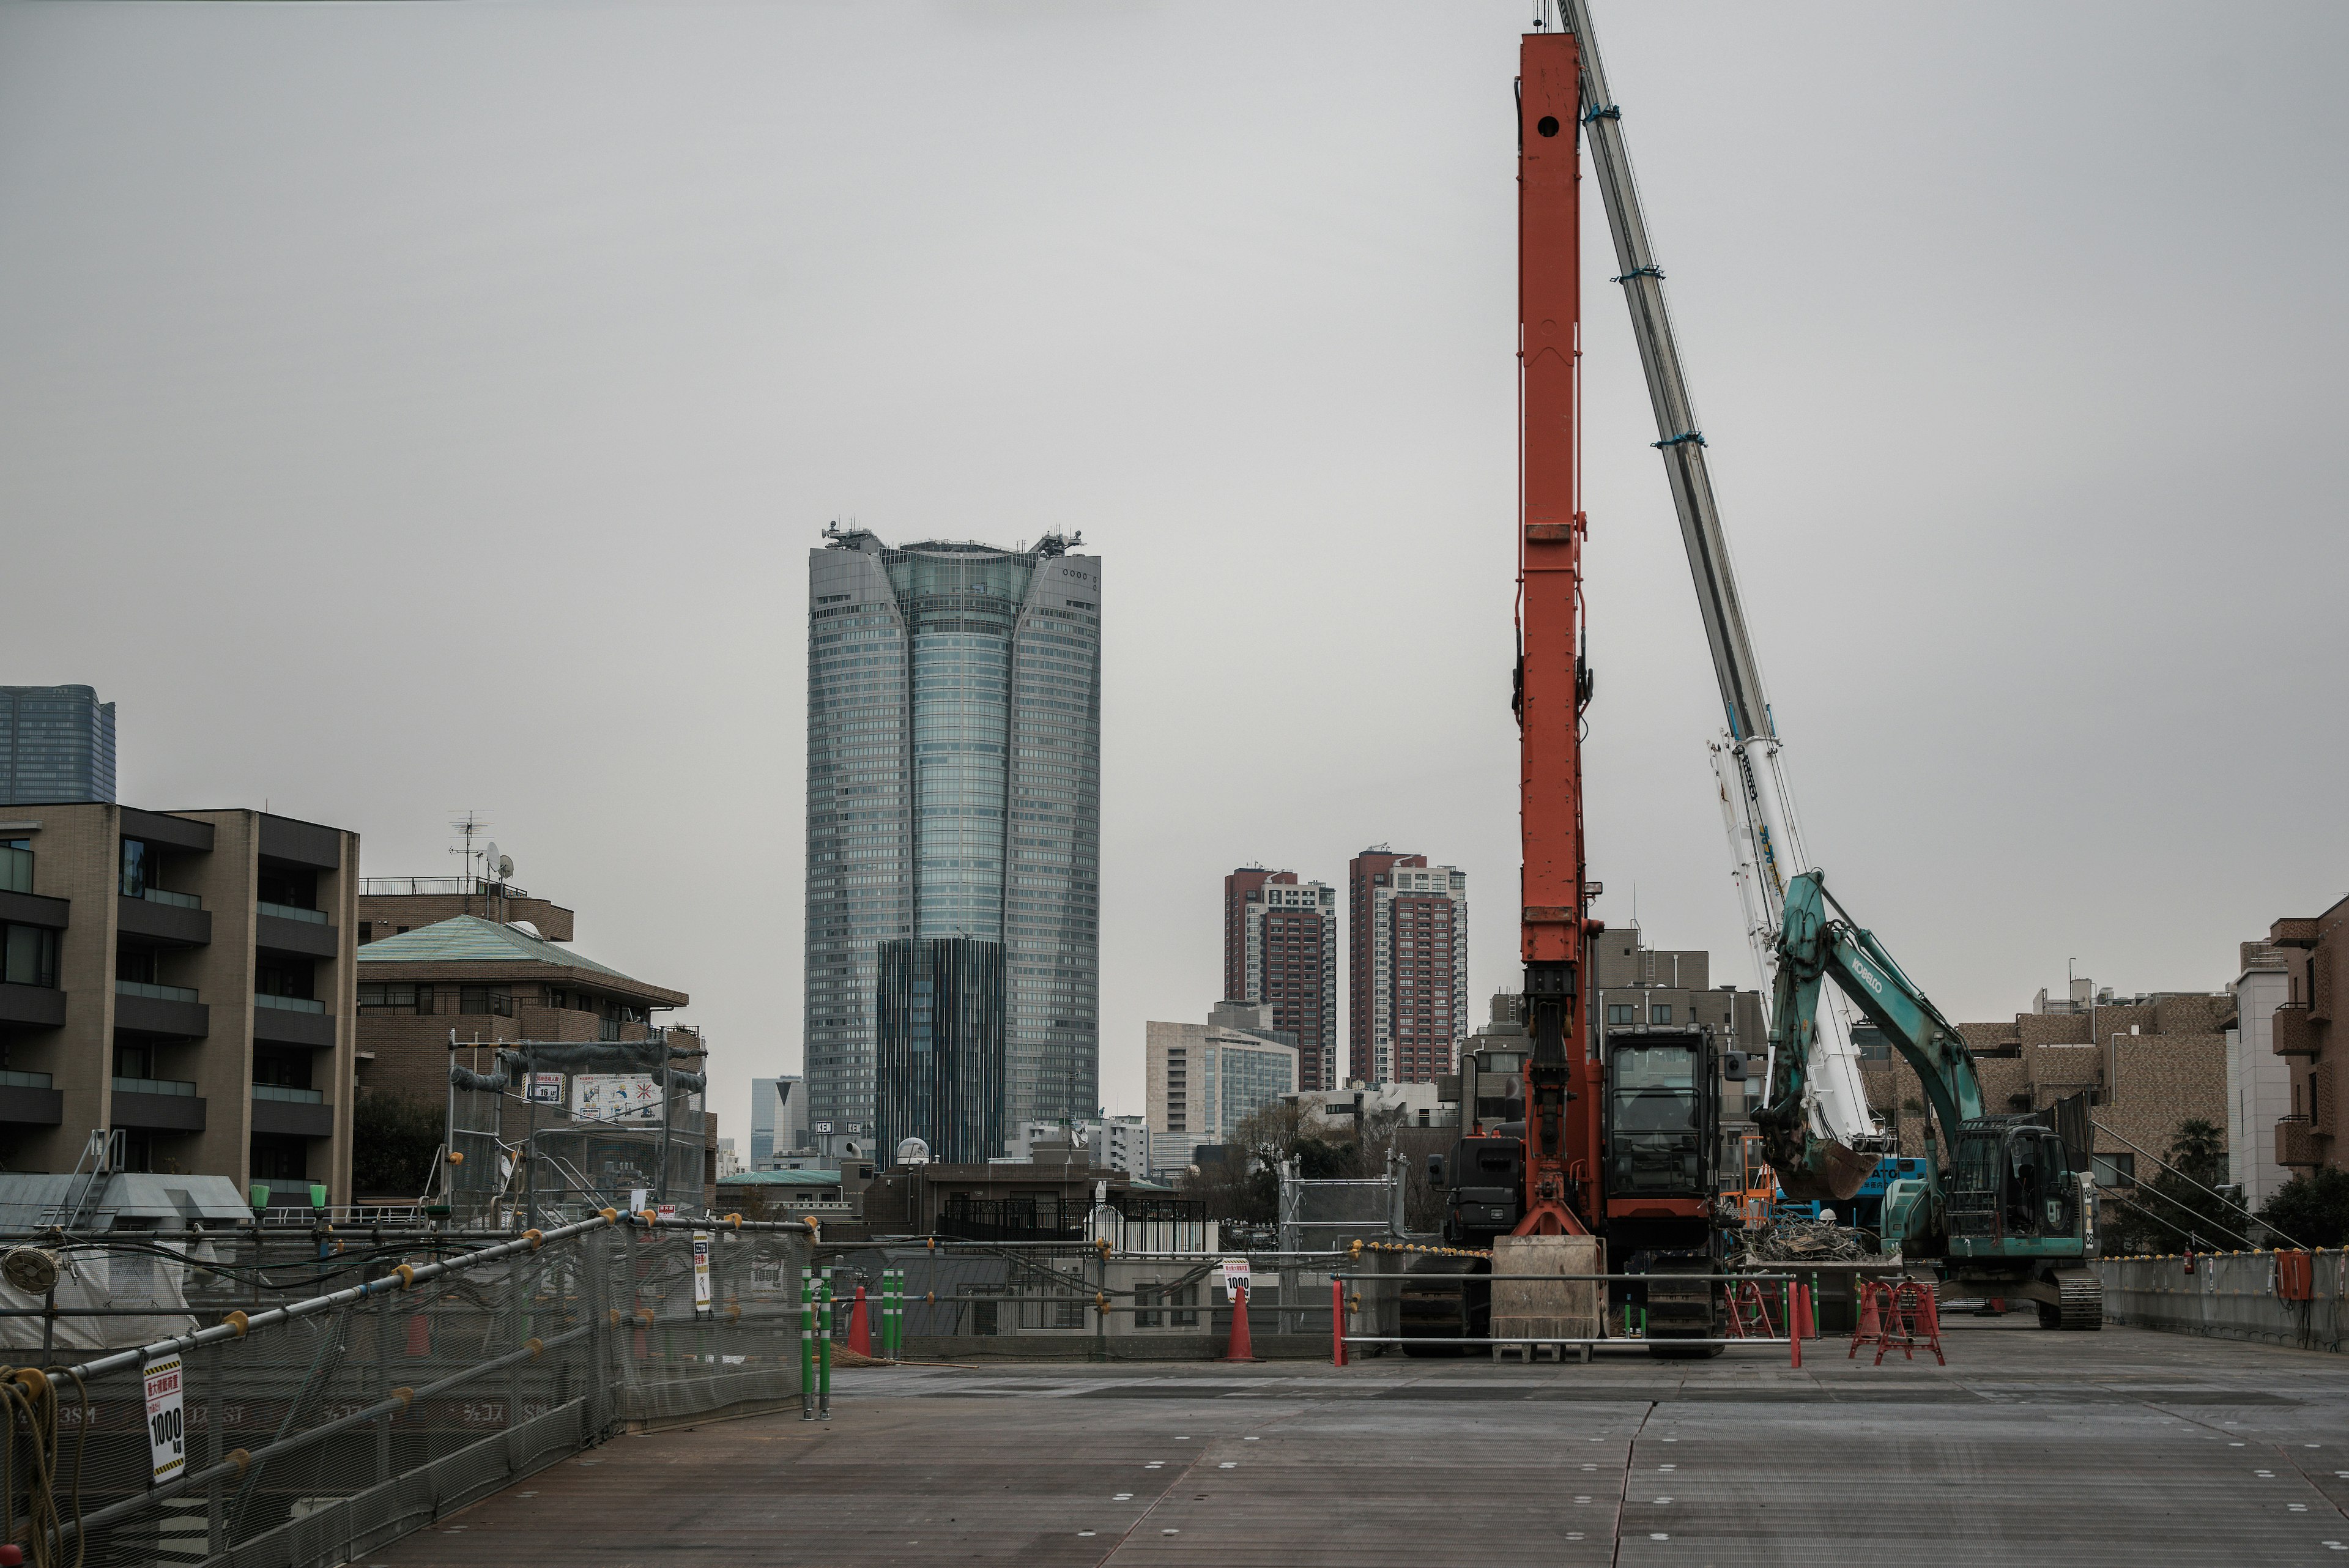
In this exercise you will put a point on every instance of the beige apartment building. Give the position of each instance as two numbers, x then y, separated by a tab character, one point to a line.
183	981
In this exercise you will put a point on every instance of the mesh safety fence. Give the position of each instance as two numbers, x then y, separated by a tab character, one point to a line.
308	1442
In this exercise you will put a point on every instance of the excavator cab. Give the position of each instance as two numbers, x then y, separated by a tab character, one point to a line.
2013	1192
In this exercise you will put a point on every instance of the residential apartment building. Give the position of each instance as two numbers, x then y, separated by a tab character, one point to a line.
2259	1081
392	905
2152	1061
184	979
1204	1080
1280	947
1636	987
2309	1135
56	743
954	809
1410	957
489	981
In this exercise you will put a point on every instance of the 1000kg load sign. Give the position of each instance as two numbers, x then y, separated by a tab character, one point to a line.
167	1432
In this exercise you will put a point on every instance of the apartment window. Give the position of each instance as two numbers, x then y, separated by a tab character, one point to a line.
275	978
134	869
494	998
134	1061
1622	1012
388	997
275	1158
286	1069
2114	1169
29	954
1660	1012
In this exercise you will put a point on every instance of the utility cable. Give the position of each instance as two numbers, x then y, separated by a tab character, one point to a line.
2181	1176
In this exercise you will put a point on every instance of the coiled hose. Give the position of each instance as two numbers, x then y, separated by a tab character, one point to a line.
31	1402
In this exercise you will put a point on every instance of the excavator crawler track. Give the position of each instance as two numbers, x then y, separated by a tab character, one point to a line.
2080	1305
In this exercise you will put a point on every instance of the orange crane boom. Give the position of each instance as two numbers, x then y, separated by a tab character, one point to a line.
1562	1100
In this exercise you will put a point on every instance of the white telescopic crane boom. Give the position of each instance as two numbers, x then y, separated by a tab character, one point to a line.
1757	806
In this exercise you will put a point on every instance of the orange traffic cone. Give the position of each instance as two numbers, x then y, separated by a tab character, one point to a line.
1240	1349
1870	1325
859	1331
1804	1325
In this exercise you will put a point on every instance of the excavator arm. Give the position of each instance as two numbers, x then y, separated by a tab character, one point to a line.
1814	946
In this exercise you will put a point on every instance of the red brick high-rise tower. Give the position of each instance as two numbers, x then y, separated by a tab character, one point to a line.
1281	946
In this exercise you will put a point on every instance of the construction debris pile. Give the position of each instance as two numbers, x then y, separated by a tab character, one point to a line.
1810	1241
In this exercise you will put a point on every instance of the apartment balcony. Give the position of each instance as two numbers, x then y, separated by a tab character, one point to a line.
176	919
2292	1032
292	1020
2298	1143
2293	933
15	869
170	1009
42	1006
157	1105
286	928
27	1100
297	1113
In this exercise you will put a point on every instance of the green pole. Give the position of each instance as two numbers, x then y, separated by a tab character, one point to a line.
824	1348
807	1344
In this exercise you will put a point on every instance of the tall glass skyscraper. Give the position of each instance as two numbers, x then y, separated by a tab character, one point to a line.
57	745
954	792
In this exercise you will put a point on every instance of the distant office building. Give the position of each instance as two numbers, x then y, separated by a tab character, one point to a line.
57	745
1281	946
779	1120
954	796
1204	1080
729	1162
1410	966
1113	1143
942	1057
183	981
1636	987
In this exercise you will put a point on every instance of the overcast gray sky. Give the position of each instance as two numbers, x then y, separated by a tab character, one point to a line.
405	408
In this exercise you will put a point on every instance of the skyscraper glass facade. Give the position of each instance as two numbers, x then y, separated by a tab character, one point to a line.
56	746
953	791
940	1034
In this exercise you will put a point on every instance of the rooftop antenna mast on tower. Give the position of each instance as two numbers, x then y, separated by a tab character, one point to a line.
468	824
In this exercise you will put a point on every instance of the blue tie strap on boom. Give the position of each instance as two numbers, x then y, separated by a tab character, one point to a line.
1612	111
1650	270
1685	437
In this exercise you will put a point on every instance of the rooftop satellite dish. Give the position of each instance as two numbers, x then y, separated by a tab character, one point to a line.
913	1151
505	867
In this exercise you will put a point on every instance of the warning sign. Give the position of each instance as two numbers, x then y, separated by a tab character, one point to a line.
167	1432
701	1271
1236	1275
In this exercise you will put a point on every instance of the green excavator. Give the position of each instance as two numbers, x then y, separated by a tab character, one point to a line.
2000	1212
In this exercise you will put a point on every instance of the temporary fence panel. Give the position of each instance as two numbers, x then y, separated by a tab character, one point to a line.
309	1442
2234	1295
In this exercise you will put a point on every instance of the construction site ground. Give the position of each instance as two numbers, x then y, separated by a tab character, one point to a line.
2127	1446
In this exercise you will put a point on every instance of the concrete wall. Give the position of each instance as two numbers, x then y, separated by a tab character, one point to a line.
2259	1085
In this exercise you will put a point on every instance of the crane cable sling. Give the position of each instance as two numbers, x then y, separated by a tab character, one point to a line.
32	1405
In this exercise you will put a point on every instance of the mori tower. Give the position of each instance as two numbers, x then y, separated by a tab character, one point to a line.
953	842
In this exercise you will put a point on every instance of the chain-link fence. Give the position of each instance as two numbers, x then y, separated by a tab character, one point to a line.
338	1402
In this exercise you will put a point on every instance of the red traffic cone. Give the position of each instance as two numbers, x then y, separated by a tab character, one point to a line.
859	1331
1806	1326
1240	1349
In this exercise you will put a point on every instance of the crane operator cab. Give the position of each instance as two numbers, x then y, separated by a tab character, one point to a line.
2013	1192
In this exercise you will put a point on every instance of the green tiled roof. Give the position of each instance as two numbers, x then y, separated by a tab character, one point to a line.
468	939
